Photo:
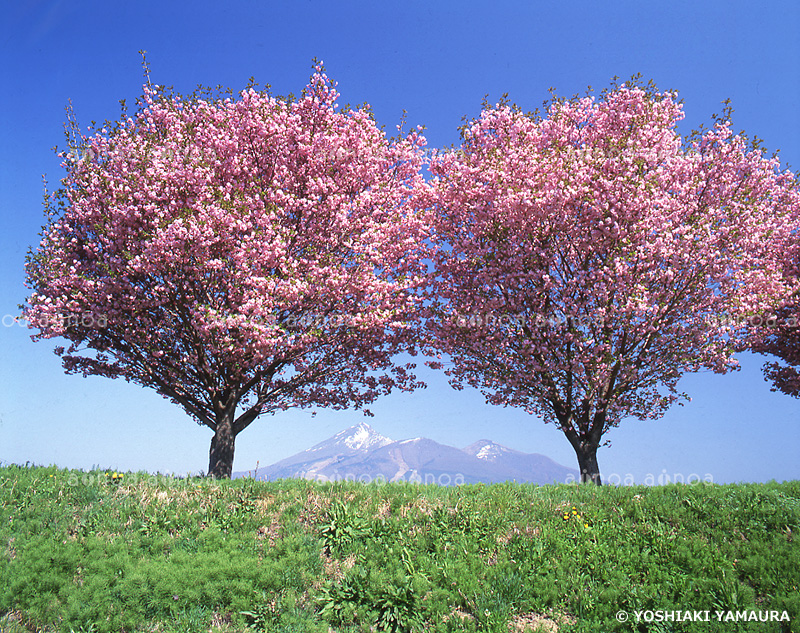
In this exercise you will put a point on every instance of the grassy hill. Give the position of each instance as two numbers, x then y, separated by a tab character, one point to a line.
105	552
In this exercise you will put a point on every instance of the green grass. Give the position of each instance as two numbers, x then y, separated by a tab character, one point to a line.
90	552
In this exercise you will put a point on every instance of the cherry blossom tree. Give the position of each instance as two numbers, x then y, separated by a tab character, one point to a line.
238	255
780	336
590	256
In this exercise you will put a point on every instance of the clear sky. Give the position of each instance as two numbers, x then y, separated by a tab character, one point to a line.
436	60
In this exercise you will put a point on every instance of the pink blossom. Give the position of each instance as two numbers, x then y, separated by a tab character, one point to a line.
250	255
614	244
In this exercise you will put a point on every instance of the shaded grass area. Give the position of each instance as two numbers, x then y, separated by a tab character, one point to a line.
135	552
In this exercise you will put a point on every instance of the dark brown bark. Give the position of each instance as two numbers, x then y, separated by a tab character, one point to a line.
585	446
587	463
220	457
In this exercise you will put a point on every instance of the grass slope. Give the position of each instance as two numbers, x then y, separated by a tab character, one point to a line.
107	553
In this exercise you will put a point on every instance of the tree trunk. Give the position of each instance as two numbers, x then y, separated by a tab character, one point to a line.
585	443
587	463
220	457
586	450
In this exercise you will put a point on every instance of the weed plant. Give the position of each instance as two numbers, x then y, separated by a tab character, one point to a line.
111	552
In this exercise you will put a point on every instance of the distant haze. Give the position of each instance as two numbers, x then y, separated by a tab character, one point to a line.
362	454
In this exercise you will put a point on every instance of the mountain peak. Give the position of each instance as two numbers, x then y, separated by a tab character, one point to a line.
360	437
486	450
360	453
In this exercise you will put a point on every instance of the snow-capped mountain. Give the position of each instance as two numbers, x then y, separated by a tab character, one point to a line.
313	463
361	437
517	463
360	453
488	450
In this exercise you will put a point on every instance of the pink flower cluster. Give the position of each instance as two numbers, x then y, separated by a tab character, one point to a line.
600	220
251	254
205	231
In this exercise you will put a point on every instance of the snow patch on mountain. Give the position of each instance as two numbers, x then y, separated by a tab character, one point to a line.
360	453
361	438
490	451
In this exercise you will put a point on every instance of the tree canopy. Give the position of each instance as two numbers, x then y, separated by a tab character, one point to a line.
590	257
238	255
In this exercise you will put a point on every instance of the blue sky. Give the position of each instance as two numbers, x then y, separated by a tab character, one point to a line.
436	60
